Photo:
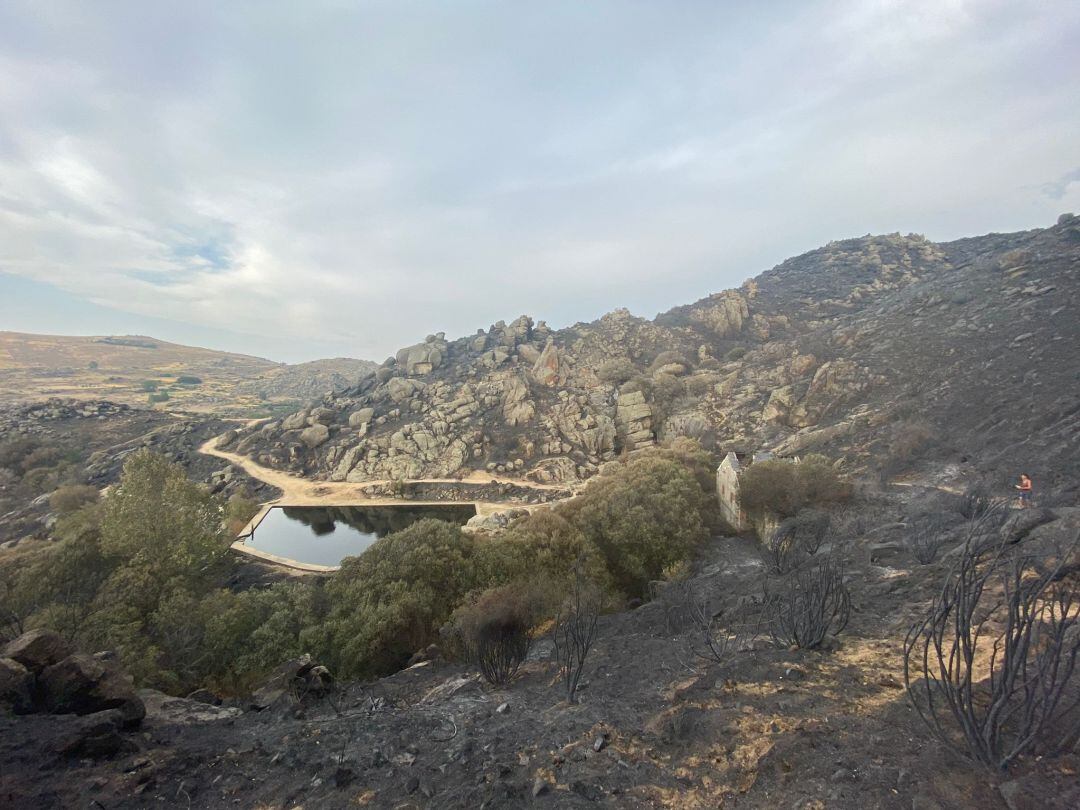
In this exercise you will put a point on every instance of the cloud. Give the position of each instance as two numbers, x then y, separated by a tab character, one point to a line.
359	176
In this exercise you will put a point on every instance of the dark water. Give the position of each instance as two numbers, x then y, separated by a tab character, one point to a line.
324	535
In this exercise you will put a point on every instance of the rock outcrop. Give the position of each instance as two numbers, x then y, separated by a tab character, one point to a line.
818	353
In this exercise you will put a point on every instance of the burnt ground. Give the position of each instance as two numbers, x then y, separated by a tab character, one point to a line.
655	727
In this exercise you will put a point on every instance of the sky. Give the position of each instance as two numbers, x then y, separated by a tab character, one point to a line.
340	178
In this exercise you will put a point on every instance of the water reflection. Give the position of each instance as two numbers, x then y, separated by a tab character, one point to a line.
324	535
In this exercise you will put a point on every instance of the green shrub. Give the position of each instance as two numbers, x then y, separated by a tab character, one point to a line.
13	451
391	600
737	353
545	546
649	514
72	497
159	396
667	358
239	511
617	371
149	385
187	379
42	458
784	487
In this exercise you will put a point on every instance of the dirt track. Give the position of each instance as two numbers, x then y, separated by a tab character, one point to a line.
298	491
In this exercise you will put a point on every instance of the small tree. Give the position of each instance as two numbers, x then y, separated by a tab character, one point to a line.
72	497
574	632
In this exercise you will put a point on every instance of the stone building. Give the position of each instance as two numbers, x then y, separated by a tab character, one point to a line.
727	486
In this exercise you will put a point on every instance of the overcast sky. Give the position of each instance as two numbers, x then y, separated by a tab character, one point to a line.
297	180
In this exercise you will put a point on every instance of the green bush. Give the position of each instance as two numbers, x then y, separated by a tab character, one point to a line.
42	458
239	511
648	515
187	379
617	371
391	600
14	451
667	358
149	385
72	497
159	396
737	353
784	487
545	546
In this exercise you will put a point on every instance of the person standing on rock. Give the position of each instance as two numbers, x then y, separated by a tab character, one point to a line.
1025	490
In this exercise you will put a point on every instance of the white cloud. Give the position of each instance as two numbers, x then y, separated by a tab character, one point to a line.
361	176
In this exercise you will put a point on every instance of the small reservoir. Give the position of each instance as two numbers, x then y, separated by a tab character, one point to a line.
325	535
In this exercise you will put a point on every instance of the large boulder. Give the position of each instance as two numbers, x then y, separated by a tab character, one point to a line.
1020	523
315	435
83	684
97	736
37	649
183	711
516	406
323	416
227	438
401	389
295	421
16	686
548	367
724	313
423	358
361	417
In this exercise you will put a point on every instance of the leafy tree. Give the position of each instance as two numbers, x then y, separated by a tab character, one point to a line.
392	599
644	518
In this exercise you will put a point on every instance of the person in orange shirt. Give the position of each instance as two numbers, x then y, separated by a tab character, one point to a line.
1025	490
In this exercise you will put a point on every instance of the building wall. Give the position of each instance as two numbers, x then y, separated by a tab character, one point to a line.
727	491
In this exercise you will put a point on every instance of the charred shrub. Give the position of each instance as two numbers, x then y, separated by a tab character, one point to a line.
719	633
808	604
991	668
974	503
925	536
796	539
493	632
574	632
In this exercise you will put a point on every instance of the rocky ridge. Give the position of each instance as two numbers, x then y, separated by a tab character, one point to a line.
828	352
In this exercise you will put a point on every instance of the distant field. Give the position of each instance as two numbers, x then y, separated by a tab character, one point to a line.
145	371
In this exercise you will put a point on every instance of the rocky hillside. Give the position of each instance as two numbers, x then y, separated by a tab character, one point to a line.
307	381
884	351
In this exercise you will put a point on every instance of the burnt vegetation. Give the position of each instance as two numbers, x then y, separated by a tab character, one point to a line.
991	667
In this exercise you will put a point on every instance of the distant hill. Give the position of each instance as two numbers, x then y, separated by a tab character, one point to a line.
143	370
307	381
